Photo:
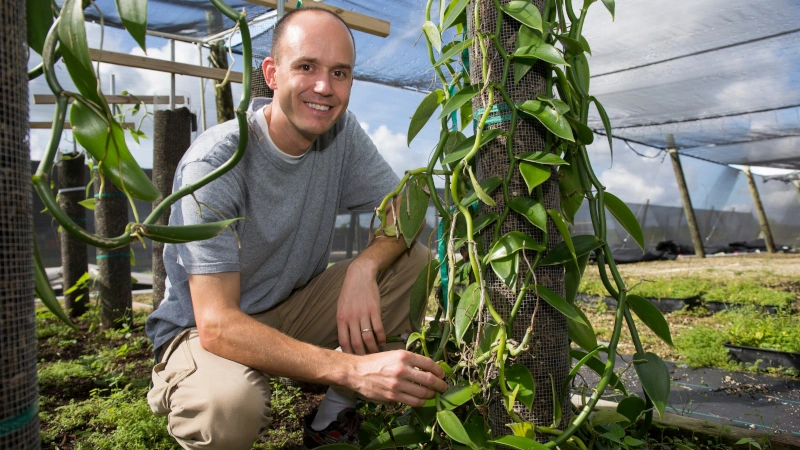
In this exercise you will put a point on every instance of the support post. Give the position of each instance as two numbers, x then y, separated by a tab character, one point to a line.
19	402
172	75
762	216
644	217
550	343
694	230
224	95
796	183
351	235
74	253
172	135
202	93
114	266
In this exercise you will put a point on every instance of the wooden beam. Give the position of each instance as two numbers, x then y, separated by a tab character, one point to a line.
694	230
161	65
762	215
354	20
67	125
43	99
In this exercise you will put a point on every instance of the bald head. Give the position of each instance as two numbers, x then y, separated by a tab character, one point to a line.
280	31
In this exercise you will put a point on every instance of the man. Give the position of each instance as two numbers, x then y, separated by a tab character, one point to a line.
234	314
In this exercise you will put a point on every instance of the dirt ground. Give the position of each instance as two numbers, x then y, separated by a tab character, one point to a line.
718	266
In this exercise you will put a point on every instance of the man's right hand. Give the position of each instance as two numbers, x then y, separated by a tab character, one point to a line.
397	376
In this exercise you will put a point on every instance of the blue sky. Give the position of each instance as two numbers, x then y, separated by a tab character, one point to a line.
385	113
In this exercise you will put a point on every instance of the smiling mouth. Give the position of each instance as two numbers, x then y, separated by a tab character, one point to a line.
318	107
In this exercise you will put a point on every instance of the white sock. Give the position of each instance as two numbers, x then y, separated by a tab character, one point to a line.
331	406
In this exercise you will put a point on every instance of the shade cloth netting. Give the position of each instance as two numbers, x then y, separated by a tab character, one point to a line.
721	76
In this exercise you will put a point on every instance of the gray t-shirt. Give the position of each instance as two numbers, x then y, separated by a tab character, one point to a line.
290	210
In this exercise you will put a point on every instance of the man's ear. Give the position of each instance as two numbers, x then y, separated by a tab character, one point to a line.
269	68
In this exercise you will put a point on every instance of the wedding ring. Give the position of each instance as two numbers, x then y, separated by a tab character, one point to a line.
366	330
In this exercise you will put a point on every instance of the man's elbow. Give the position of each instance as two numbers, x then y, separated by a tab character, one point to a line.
210	331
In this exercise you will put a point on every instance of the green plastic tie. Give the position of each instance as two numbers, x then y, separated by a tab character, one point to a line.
113	255
110	194
13	424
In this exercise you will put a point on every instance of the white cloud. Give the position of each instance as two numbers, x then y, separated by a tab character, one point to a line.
393	146
631	187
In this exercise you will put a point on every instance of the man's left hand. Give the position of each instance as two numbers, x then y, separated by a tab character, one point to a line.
358	311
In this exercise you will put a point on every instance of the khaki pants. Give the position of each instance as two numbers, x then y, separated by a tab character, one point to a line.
215	403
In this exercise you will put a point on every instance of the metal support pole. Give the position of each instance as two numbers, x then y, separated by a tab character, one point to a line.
74	254
202	92
694	230
280	9
172	75
762	216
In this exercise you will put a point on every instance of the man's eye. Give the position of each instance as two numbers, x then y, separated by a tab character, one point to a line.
339	74
305	67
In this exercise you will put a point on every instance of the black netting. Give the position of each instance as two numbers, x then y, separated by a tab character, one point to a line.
258	85
19	423
549	350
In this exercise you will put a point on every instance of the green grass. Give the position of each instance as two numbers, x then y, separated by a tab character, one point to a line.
738	291
702	345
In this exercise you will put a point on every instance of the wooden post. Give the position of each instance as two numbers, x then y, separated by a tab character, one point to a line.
762	216
694	231
114	280
74	253
219	59
351	235
796	183
172	135
644	215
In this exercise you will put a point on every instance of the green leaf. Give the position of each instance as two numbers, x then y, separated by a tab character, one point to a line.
606	123
465	147
624	217
341	447
549	117
453	141
651	316
459	394
466	309
453	13
654	375
607	416
89	203
524	12
563	229
559	303
511	243
180	234
424	112
541	158
631	407
560	254
583	132
507	269
453	427
556	403
453	51
599	367
572	278
43	290
399	437
560	106
92	132
525	38
632	441
523	429
579	74
413	207
536	52
476	429
488	186
133	14
582	333
433	35
519	377
571	46
75	50
533	174
459	98
478	190
420	291
39	15
519	443
426	414
585	45
465	115
610	7
570	189
532	209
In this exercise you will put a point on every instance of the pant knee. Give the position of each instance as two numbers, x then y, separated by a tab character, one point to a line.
231	415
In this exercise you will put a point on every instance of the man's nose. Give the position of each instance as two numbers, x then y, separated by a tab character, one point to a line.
323	85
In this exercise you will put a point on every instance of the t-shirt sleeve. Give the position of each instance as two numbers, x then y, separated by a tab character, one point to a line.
221	199
368	177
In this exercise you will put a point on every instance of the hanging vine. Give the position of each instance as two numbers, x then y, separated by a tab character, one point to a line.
479	356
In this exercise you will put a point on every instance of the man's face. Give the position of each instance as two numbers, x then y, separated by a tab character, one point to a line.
313	78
